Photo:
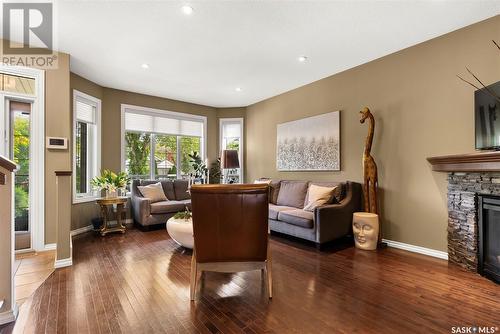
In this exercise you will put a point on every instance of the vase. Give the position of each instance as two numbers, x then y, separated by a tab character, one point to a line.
111	193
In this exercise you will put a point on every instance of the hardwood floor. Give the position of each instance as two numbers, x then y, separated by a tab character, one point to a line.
32	269
139	283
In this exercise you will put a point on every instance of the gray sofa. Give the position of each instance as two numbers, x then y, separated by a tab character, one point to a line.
326	223
147	214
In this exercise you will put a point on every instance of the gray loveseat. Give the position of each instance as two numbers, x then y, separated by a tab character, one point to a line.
147	214
326	223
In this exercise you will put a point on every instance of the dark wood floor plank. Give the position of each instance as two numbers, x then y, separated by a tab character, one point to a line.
139	283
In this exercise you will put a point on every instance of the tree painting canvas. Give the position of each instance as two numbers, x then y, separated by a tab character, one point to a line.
309	144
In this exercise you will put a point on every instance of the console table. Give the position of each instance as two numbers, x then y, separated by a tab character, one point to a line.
104	203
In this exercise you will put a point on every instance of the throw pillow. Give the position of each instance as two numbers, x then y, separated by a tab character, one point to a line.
318	196
153	192
292	193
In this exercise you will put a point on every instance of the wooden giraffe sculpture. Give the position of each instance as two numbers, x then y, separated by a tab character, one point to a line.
369	166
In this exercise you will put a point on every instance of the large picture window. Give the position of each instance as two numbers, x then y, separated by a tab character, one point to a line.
86	144
157	144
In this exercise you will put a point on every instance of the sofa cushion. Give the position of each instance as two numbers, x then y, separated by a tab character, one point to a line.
168	188
297	217
274	187
274	191
181	190
153	192
338	193
167	185
317	196
167	207
292	193
274	210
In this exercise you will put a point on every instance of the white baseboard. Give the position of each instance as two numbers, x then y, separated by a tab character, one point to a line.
88	228
9	316
81	230
63	263
49	247
417	249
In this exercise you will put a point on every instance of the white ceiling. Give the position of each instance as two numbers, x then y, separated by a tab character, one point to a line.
254	45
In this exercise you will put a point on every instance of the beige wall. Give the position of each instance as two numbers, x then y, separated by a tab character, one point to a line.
83	213
421	110
112	99
57	124
63	231
111	118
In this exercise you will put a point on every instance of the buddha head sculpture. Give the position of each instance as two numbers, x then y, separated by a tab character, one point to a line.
365	227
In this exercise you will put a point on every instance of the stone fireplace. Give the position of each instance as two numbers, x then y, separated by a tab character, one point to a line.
463	231
470	176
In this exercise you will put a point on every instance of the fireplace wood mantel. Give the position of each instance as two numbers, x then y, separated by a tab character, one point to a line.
484	161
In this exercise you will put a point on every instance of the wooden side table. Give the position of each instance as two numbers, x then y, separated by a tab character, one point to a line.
104	203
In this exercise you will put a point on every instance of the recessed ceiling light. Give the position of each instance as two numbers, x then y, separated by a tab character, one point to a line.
145	66
238	89
302	59
188	10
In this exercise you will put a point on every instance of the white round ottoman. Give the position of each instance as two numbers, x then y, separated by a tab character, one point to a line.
181	230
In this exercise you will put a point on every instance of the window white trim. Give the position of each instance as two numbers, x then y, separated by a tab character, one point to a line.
241	121
166	114
77	95
37	152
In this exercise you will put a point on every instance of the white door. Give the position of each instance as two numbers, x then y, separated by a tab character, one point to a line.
22	140
17	147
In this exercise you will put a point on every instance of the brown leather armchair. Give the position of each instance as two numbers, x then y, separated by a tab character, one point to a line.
230	227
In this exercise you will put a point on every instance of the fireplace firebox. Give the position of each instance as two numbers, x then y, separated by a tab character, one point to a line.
489	236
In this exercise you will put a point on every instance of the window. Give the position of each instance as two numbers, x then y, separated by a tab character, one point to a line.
86	145
231	138
17	84
157	143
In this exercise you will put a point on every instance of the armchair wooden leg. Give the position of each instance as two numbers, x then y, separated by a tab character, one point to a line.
269	274
194	275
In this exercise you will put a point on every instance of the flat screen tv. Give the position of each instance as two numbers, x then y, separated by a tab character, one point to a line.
487	117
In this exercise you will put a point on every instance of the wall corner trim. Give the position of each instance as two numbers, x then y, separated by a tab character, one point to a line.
9	316
417	249
63	263
49	247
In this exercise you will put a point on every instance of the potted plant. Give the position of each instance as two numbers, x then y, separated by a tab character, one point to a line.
198	166
183	215
111	182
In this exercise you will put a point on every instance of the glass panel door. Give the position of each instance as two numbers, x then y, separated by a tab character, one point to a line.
231	138
19	151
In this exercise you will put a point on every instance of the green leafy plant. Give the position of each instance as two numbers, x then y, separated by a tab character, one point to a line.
215	172
183	214
198	166
110	181
21	200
